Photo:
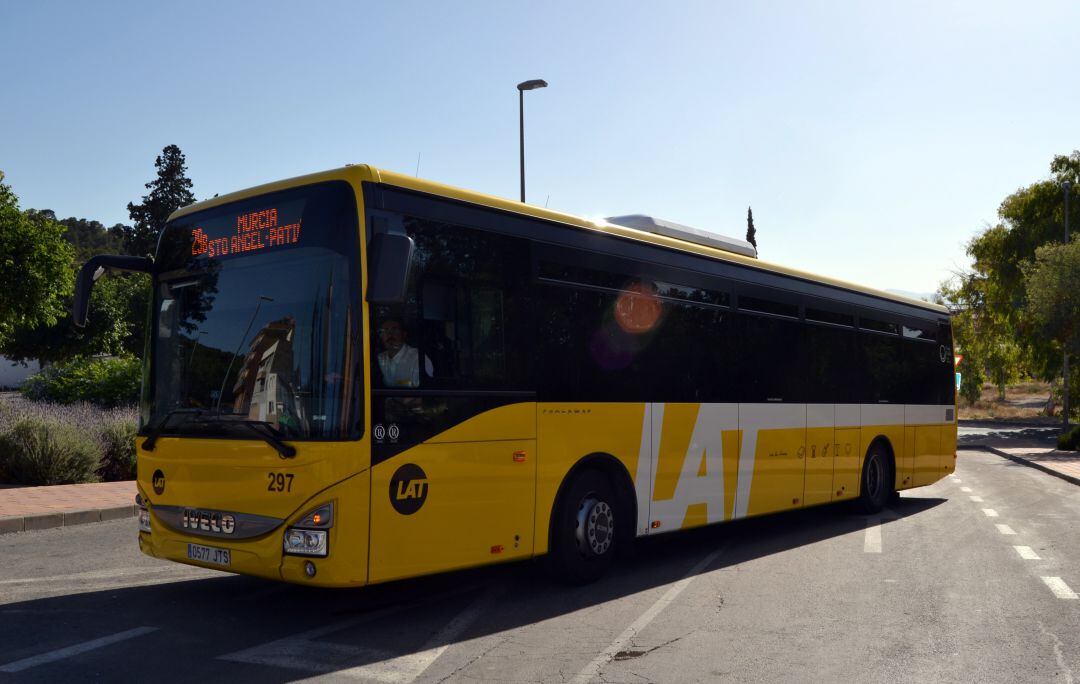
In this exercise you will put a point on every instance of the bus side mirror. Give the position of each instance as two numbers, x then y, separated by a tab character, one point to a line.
389	261
96	267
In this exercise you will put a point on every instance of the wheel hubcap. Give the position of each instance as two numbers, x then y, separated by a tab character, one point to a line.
874	477
595	527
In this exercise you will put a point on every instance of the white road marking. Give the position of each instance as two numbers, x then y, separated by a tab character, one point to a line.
1060	589
957	480
409	667
976	499
309	652
990	512
1004	529
872	543
61	653
965	489
591	671
1027	553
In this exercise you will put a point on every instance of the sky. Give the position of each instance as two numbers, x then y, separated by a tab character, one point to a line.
871	139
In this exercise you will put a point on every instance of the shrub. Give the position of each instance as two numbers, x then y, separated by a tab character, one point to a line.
1069	440
117	440
105	382
110	431
45	452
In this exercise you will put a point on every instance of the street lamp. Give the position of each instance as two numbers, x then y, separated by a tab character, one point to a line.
1066	187
522	87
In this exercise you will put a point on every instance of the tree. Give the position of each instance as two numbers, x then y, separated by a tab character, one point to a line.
35	267
1053	298
115	326
751	234
168	192
1002	334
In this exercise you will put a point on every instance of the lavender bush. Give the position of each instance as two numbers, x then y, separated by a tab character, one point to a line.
46	443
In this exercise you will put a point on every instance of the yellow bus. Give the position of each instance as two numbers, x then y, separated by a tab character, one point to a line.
358	376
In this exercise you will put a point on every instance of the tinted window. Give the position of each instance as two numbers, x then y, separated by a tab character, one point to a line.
771	359
923	366
613	280
762	305
918	331
947	377
462	341
883	370
833	317
879	326
691	359
831	365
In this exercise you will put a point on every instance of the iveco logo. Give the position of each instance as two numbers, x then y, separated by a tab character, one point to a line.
209	521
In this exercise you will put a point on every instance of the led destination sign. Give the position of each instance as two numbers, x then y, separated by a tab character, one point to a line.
250	232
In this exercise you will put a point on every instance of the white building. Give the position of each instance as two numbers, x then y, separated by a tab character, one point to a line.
12	374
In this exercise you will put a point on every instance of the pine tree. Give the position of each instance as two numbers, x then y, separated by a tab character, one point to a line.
168	192
751	234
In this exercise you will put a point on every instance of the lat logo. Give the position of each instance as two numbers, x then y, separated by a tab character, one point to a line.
408	489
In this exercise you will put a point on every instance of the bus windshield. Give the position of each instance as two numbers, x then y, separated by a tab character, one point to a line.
256	319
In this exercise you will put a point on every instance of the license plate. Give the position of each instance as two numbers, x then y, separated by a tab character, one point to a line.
208	554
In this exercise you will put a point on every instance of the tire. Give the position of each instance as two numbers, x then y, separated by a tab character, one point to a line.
876	483
583	539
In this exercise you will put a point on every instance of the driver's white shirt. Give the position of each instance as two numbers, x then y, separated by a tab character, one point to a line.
402	369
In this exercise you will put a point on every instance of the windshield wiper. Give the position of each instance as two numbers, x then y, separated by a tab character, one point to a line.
154	431
269	436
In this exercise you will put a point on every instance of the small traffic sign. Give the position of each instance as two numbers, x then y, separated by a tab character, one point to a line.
957	358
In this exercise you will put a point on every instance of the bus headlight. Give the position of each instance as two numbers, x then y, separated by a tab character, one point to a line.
310	536
305	542
144	514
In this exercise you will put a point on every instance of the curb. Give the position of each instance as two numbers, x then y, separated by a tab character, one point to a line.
45	521
1030	464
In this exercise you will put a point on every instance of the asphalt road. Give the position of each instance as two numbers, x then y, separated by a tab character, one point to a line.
971	579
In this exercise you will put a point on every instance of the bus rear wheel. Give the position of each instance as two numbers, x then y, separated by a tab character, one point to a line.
876	486
583	530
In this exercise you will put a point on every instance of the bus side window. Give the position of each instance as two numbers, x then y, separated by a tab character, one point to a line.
474	317
882	362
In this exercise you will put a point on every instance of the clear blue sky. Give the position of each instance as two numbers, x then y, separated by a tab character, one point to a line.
872	139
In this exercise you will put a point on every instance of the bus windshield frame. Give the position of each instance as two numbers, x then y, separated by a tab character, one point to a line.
256	320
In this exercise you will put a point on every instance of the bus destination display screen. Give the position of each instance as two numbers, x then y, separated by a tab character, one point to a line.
248	232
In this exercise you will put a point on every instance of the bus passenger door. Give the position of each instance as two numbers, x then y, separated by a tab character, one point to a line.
462	498
453	415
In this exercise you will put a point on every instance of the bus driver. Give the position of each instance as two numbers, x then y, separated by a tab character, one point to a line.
399	362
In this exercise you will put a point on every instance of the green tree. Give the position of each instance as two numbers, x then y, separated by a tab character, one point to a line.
997	331
1030	217
989	347
35	267
117	319
751	233
1053	300
168	192
1053	293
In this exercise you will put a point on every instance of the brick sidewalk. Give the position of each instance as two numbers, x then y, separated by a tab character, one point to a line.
36	508
1063	464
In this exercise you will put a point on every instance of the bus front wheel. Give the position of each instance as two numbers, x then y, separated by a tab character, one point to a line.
876	485
583	530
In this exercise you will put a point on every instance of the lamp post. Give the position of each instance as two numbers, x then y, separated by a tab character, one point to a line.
522	87
1066	187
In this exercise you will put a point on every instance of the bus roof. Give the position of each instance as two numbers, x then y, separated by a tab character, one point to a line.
370	173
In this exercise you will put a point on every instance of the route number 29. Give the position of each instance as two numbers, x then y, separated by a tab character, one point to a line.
279	482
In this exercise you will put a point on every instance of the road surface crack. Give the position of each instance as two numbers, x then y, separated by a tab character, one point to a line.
630	654
1066	673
